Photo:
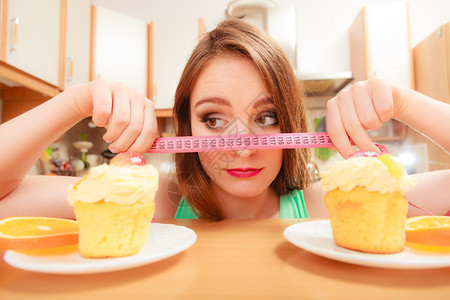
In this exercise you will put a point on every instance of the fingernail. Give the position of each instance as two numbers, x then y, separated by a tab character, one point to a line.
113	150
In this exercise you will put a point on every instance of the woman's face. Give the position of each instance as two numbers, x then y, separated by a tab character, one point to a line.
230	98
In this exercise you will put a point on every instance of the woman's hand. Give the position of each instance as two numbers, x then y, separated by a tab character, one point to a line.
362	107
128	116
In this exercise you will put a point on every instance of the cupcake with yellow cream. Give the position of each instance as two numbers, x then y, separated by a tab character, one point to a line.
114	206
366	203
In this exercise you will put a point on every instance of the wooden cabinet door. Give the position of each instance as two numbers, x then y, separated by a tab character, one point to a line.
172	44
32	37
380	44
432	64
120	48
432	73
78	33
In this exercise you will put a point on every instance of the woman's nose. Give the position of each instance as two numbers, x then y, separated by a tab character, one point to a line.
244	153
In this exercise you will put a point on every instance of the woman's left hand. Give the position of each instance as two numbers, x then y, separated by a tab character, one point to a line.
362	107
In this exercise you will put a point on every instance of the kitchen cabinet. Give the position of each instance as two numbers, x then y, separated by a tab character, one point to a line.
380	44
31	37
77	44
432	75
119	48
432	64
31	77
18	99
380	47
172	42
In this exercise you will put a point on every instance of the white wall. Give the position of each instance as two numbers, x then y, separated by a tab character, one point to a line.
322	25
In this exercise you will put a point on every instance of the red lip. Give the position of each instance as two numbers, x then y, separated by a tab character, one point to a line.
243	172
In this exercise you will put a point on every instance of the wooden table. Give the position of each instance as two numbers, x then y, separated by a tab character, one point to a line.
233	259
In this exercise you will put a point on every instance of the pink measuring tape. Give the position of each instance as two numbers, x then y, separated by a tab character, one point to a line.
185	144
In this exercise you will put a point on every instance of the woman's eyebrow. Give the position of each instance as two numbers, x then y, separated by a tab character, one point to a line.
216	100
262	101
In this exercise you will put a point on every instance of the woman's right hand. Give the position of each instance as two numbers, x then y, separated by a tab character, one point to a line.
128	116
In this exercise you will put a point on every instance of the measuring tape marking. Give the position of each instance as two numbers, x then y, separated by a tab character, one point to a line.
185	144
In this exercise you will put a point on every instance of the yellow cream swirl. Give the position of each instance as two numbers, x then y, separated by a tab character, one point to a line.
368	172
118	184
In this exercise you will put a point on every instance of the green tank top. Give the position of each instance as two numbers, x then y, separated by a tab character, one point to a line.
292	206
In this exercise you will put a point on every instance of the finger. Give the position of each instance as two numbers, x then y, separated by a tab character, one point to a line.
336	130
121	113
101	102
365	109
149	130
133	128
351	122
383	100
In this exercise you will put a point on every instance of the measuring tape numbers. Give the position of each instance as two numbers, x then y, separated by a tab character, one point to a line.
185	144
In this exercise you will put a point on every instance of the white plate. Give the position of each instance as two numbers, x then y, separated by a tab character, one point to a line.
164	240
316	237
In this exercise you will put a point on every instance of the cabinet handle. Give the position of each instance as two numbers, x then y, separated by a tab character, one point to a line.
70	69
14	33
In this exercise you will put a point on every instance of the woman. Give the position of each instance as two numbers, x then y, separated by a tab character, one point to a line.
236	81
254	78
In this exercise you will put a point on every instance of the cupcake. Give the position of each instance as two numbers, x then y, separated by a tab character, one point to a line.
114	206
366	203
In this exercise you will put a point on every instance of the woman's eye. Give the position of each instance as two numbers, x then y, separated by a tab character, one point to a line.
214	123
267	119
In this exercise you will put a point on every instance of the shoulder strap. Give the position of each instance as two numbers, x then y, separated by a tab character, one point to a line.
292	206
184	210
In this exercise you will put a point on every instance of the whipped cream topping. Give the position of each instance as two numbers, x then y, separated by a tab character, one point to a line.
118	184
367	172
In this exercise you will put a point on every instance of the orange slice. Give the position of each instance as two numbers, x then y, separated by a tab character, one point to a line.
428	233
31	233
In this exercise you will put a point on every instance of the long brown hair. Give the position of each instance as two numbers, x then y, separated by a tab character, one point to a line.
234	36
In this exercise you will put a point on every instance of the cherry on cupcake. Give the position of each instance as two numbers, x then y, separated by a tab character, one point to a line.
128	159
383	150
364	154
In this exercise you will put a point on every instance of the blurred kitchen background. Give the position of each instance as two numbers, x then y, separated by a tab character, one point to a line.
49	45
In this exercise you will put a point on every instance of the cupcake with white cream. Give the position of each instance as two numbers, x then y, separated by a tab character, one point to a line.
366	203
114	206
